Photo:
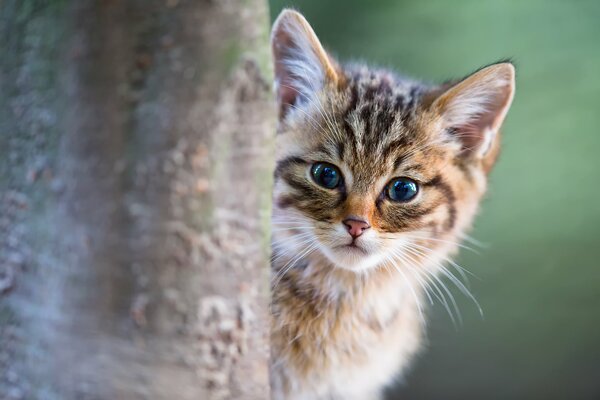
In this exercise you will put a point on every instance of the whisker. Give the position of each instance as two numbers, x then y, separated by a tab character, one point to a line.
473	241
422	283
448	292
461	270
426	238
462	246
291	228
454	280
290	264
442	297
412	290
281	246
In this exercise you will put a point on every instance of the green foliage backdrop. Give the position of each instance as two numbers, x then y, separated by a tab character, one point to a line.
538	274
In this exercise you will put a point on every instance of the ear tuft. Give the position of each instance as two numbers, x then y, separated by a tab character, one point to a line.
473	109
302	67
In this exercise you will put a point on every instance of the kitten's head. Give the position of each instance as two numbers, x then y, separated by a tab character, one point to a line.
371	167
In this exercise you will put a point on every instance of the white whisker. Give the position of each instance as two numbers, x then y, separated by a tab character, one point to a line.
441	296
452	278
412	290
290	264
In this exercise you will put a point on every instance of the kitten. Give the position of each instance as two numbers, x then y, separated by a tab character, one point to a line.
377	178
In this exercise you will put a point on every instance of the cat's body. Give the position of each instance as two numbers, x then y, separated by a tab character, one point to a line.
336	338
377	177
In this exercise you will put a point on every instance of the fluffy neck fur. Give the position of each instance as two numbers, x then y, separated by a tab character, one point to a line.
337	334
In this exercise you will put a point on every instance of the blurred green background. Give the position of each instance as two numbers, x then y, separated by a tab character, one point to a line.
538	275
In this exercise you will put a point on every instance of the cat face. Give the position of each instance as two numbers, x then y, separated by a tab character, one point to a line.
373	169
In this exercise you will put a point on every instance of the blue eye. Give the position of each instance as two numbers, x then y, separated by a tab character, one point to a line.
326	175
401	189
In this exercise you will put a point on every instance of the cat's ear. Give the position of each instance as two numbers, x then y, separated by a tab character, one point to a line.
473	109
302	67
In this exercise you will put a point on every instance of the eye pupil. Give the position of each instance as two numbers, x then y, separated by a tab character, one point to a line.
326	175
402	189
329	176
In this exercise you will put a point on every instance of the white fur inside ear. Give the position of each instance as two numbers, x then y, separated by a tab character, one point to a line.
486	143
474	101
474	108
301	64
304	76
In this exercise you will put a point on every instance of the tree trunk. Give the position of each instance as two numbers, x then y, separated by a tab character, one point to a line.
135	174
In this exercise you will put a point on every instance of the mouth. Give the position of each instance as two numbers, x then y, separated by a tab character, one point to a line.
353	255
353	248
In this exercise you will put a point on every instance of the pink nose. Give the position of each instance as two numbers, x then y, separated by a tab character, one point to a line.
356	226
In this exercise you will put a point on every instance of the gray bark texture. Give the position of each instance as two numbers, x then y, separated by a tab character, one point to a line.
135	186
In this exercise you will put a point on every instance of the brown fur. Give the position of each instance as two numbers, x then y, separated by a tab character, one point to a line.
329	321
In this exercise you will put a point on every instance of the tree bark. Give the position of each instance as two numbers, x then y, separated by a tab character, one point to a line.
135	176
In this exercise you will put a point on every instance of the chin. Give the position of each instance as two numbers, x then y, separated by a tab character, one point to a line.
352	258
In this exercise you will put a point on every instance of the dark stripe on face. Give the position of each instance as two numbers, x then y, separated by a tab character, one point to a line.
384	117
299	183
351	107
434	227
398	162
464	168
438	183
353	100
384	121
328	150
402	218
314	201
286	163
407	106
365	115
384	88
340	150
370	93
341	199
412	98
399	103
346	121
393	147
284	201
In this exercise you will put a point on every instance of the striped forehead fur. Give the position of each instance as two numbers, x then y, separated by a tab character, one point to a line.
379	110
